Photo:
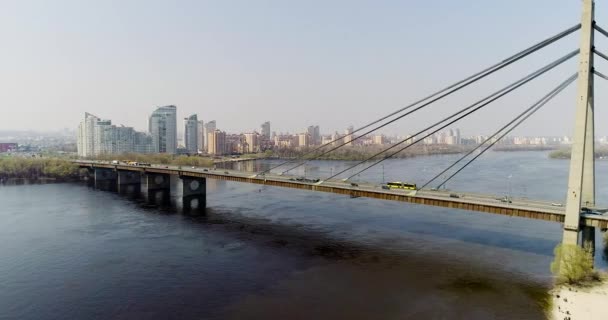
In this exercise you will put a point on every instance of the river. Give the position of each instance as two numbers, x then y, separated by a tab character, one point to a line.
71	252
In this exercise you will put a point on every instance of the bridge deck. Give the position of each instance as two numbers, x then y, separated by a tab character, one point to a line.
474	202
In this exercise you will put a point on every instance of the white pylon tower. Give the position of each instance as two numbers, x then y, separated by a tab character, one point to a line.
581	181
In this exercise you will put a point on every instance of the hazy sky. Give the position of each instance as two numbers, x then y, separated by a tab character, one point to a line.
294	63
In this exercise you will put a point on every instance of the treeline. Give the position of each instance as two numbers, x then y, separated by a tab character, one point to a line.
158	158
357	153
601	152
38	168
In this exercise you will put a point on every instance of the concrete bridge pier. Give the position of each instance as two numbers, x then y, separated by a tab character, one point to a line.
158	188
105	179
89	177
129	182
194	194
589	239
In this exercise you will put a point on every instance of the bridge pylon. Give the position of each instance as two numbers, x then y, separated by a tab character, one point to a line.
581	181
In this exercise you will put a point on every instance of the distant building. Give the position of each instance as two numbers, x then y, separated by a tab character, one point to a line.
326	140
8	146
348	136
303	140
86	135
336	138
315	135
265	128
209	128
191	134
162	126
97	136
201	136
378	139
217	142
285	141
252	141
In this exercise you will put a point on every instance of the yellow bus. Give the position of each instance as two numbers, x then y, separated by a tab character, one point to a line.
401	185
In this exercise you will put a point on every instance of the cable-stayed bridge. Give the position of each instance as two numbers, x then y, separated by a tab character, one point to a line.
579	215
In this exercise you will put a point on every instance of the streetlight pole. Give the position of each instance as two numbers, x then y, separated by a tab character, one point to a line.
509	183
382	173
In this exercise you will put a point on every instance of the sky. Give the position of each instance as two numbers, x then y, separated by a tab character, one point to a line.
293	63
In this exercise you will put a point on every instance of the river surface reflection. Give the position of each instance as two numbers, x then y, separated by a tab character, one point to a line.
71	252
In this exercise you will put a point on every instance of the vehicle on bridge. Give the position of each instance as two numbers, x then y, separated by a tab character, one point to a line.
401	185
505	199
303	179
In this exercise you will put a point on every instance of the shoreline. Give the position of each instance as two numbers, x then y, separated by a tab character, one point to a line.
574	303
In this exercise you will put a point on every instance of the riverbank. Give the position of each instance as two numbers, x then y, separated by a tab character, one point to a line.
37	169
600	153
357	153
579	303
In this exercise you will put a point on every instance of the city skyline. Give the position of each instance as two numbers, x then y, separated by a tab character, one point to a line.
243	70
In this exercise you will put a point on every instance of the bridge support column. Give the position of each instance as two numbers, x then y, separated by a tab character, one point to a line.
129	182
89	177
194	194
581	181
589	239
105	179
158	188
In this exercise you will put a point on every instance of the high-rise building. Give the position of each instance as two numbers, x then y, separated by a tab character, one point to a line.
96	136
217	142
105	137
201	136
191	134
266	130
86	135
209	127
162	126
253	144
315	135
142	142
303	140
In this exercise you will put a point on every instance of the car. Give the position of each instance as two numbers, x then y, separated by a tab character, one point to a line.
226	172
115	162
557	204
193	167
506	200
354	184
205	170
453	195
385	187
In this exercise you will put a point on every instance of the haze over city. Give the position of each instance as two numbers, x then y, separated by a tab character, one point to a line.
295	64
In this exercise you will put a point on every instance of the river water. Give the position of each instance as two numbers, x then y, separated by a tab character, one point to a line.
71	252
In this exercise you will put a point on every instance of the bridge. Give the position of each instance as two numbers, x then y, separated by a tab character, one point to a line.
579	217
116	177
